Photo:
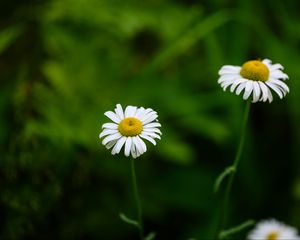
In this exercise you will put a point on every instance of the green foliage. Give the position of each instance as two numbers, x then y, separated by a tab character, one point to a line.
222	176
227	234
64	63
8	36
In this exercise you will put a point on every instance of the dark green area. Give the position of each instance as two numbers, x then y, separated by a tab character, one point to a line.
63	63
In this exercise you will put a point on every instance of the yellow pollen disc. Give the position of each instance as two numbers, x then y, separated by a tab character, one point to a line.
272	236
130	127
255	70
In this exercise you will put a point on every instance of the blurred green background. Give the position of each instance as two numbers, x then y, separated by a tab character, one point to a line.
63	63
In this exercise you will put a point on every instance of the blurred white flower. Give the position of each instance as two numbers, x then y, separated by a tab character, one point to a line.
255	77
129	128
273	230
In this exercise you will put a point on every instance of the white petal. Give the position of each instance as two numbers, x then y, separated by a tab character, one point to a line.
148	114
270	96
240	88
110	144
152	130
149	119
229	69
228	77
236	83
226	84
150	139
277	66
133	112
248	89
275	89
151	134
279	74
151	125
255	98
107	132
281	84
119	111
264	90
112	116
256	92
128	146
111	138
267	61
110	125
142	144
130	111
118	146
138	145
133	151
139	113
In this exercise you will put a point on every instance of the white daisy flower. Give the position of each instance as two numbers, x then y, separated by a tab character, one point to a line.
273	230
129	128
255	77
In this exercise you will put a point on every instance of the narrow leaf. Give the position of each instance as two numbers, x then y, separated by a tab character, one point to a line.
150	236
128	220
8	36
222	176
224	234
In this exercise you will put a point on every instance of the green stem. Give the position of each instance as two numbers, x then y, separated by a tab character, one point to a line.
137	199
224	208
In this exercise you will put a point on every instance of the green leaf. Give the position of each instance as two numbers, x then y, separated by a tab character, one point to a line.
190	38
128	220
9	35
224	234
150	236
222	176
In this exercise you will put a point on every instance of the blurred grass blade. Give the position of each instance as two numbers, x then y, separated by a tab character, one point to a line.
190	38
224	234
8	36
128	220
222	176
150	236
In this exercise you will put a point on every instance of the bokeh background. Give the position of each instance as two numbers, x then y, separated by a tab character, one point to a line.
63	63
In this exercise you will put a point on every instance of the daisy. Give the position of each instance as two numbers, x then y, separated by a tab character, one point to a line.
255	77
129	128
273	230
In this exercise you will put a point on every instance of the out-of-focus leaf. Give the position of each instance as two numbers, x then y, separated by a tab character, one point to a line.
229	232
128	220
150	236
222	176
9	35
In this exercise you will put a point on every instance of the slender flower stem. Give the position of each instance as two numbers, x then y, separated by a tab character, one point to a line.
224	207
137	199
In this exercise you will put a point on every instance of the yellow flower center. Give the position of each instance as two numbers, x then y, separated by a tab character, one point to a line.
130	127
255	70
273	236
